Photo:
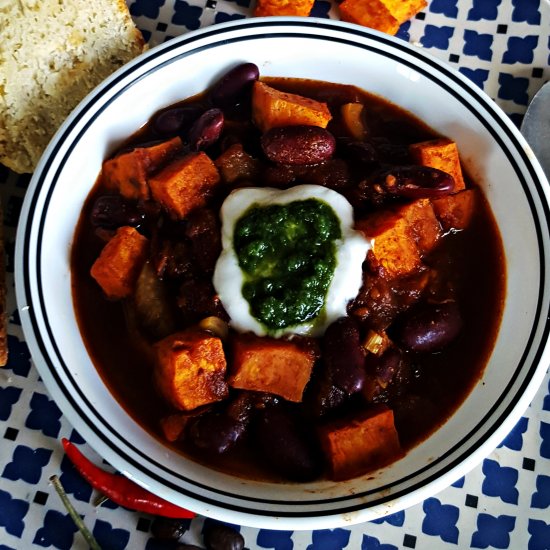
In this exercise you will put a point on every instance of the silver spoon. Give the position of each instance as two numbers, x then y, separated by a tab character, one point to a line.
536	127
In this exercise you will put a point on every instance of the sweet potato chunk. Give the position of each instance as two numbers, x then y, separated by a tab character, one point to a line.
173	426
128	172
283	7
272	366
185	184
272	108
360	444
441	154
190	369
118	266
423	224
352	118
455	211
393	243
382	15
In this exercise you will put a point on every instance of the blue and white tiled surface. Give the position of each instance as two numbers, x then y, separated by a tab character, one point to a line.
504	47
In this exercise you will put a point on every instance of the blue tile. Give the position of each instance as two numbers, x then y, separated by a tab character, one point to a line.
223	17
545	443
58	531
493	531
478	45
484	9
440	520
540	535
146	34
520	49
526	11
513	88
514	440
397	519
186	15
19	358
500	481
243	3
372	543
335	539
147	8
517	119
279	540
8	398
320	9
12	513
73	483
110	538
27	464
541	498
437	37
546	402
477	76
459	483
403	31
44	415
445	7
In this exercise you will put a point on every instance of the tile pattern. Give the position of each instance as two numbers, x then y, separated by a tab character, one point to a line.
501	45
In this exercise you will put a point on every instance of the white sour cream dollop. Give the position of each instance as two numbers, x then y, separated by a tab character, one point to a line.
351	251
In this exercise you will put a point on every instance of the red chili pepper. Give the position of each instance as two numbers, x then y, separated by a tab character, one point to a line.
122	490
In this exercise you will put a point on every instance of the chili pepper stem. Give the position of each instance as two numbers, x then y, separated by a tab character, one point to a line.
100	499
90	539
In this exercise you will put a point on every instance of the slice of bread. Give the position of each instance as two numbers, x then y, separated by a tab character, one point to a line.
3	292
52	53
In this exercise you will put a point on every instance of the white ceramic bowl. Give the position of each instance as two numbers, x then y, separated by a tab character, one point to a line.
495	155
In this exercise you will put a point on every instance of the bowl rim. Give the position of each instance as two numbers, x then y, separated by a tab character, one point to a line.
31	227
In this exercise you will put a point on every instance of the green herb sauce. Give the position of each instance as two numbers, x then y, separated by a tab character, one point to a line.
287	253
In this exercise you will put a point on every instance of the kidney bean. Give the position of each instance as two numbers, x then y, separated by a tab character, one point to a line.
234	85
206	130
197	299
173	260
203	232
428	327
218	536
112	211
344	356
173	120
168	528
389	152
286	445
333	173
241	407
297	145
387	375
215	432
412	182
322	397
360	152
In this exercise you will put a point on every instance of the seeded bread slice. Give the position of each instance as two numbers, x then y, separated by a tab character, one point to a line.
52	53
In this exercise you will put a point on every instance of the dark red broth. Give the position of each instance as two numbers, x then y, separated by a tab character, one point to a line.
466	267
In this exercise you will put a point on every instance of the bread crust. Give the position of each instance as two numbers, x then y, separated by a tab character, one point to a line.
3	293
52	54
